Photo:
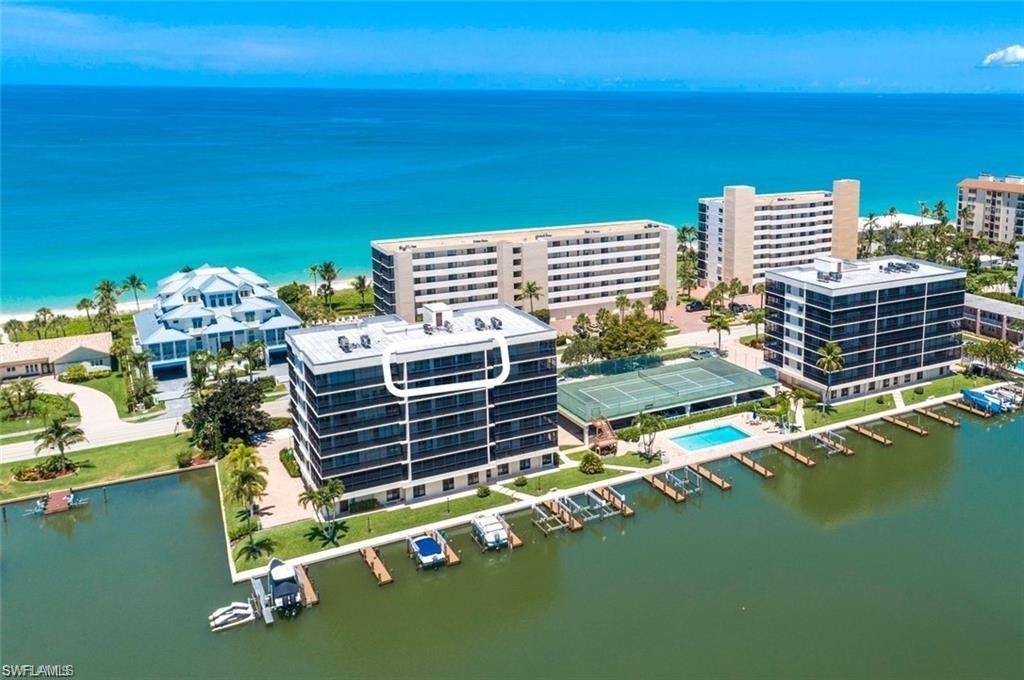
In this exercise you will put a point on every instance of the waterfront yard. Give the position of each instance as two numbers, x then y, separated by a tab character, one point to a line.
113	386
46	407
631	459
835	413
566	478
101	464
296	539
943	386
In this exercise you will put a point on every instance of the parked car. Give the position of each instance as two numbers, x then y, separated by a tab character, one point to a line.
704	353
694	306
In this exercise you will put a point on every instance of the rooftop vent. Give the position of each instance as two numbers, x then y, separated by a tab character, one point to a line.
479	323
344	344
496	322
428	329
448	326
364	340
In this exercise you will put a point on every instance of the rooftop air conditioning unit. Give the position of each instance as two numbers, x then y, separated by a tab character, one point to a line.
344	344
479	323
364	340
496	322
428	329
448	326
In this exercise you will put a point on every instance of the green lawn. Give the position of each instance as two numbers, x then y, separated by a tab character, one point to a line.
748	340
231	508
123	327
346	301
631	459
566	478
289	540
113	386
47	407
943	386
101	464
813	417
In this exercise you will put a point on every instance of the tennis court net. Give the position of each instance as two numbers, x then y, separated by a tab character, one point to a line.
654	381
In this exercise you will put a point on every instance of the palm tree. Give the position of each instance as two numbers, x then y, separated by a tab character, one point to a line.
316	498
760	288
361	286
135	285
106	302
530	291
28	392
712	299
869	235
755	317
719	323
687	235
964	217
196	384
43	319
830	360
242	456
314	270
60	324
253	354
332	491
87	305
687	274
254	550
13	328
735	287
58	435
622	304
33	326
328	272
648	425
246	484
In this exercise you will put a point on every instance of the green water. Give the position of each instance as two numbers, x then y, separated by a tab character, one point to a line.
897	562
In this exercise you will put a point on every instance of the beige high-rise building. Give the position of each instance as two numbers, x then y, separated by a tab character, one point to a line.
995	207
579	268
743	234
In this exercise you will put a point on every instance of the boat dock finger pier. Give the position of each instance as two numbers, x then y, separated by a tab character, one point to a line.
711	477
934	415
870	434
794	454
899	422
833	443
376	565
514	541
451	558
753	465
615	499
310	596
964	406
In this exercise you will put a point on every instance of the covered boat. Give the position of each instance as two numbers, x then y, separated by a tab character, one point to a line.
489	531
285	592
426	551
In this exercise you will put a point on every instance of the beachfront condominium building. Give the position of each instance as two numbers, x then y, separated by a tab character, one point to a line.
991	207
578	268
896	320
399	411
743	234
211	308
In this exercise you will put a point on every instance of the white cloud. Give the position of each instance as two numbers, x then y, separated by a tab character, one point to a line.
1008	56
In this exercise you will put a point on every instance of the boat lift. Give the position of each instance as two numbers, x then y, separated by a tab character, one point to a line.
593	507
546	520
832	443
688	481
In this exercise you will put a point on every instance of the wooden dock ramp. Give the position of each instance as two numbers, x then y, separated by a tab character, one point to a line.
514	541
615	499
711	477
310	596
870	434
451	558
754	465
794	454
376	565
558	510
661	485
964	406
899	422
57	501
935	415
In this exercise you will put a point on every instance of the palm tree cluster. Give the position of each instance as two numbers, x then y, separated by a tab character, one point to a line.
530	292
18	398
203	363
246	482
58	436
686	258
631	333
328	273
140	387
324	500
44	324
993	354
830	360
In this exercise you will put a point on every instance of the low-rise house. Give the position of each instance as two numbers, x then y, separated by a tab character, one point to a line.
53	356
993	318
211	308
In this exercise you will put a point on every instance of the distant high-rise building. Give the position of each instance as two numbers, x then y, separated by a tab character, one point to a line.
991	207
743	234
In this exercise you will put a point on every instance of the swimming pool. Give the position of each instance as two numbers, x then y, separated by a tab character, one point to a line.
716	436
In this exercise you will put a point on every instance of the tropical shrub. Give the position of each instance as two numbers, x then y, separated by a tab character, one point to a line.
267	383
184	458
483	491
919	390
75	373
232	409
363	505
591	464
520	481
542	314
287	457
279	423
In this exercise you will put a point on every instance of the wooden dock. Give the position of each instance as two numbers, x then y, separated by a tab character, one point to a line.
57	501
870	434
376	565
964	406
661	485
615	500
753	465
952	422
309	595
711	477
839	446
514	541
899	422
794	454
570	520
451	558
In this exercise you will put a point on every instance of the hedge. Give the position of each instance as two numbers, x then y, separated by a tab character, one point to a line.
287	457
631	434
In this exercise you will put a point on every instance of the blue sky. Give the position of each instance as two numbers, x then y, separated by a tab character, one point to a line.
808	47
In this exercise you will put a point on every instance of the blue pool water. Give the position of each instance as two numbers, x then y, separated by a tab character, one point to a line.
713	437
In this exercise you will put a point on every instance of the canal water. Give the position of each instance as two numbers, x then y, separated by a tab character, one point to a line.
897	562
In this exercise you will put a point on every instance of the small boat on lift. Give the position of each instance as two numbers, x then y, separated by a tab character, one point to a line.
235	614
426	551
283	584
61	503
489	532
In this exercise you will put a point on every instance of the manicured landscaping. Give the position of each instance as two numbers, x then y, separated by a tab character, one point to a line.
813	417
632	459
749	340
233	517
113	386
566	478
943	386
46	407
101	464
291	540
123	326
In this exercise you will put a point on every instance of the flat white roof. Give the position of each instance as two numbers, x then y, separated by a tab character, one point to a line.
869	272
319	344
897	220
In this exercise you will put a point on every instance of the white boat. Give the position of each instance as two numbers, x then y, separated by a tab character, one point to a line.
489	532
234	606
231	623
427	551
285	593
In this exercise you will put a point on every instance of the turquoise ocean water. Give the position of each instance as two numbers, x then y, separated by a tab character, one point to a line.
101	182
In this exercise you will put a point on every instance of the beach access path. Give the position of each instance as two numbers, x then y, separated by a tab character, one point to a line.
101	424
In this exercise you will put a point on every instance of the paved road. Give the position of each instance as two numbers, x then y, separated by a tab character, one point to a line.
101	424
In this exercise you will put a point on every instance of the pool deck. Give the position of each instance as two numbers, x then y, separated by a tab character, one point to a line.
762	436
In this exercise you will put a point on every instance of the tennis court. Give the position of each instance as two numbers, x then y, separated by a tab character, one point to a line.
656	389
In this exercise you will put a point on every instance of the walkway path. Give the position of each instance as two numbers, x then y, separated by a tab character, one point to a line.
897	398
280	503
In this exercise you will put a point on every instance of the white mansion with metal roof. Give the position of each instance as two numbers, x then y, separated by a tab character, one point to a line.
211	308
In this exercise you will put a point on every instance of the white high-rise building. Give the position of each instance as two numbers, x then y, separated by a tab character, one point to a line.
994	207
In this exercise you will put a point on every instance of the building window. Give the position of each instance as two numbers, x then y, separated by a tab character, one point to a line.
473	479
547	459
419	490
448	484
394	495
524	464
503	469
